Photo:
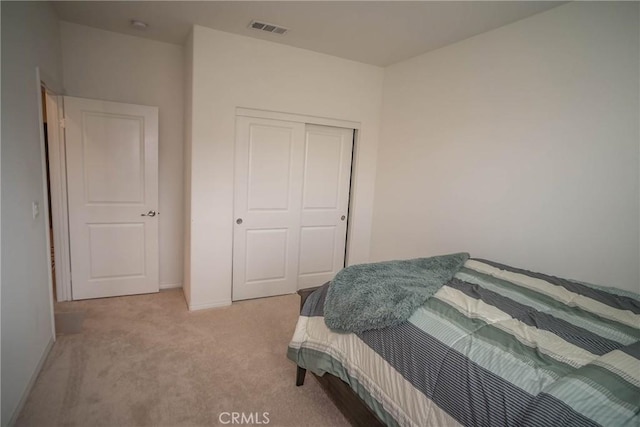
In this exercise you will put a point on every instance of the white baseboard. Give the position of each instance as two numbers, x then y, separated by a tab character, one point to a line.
170	285
212	304
31	382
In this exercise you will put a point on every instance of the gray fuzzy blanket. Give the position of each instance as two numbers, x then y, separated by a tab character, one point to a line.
374	296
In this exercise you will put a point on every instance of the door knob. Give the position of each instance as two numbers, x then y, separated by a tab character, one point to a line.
150	213
239	221
342	218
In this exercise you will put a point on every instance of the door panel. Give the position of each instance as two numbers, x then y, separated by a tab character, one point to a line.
113	154
112	179
291	192
320	241
116	250
266	255
323	158
327	178
270	149
267	199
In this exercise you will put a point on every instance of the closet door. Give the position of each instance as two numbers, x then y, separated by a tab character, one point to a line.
291	198
268	191
325	203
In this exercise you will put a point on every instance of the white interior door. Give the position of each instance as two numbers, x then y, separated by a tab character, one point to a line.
112	184
291	194
325	203
267	206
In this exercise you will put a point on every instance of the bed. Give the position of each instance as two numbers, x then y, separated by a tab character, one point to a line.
495	345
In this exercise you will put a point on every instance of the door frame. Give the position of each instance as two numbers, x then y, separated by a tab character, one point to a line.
58	193
44	81
300	118
321	121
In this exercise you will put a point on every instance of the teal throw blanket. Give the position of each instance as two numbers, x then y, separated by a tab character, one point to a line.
373	296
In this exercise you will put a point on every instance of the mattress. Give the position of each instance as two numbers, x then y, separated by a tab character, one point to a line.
496	345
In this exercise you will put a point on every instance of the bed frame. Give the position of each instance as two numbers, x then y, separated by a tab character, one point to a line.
348	402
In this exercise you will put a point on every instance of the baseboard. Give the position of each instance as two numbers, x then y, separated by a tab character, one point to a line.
212	304
170	285
31	382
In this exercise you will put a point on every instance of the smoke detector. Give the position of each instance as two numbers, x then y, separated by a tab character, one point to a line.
269	28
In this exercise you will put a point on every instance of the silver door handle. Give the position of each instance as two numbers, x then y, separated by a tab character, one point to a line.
150	213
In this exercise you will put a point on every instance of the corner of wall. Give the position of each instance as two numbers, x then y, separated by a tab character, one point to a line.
188	126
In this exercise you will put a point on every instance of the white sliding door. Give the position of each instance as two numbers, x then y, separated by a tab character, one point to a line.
325	203
267	206
112	179
291	199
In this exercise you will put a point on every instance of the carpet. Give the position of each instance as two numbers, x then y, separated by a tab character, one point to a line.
147	361
69	322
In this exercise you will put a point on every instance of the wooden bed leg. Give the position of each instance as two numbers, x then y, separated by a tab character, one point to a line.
300	376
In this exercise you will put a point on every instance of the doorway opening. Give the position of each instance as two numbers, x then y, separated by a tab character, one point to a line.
54	187
65	321
49	220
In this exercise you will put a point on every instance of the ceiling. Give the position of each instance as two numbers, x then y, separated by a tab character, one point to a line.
373	32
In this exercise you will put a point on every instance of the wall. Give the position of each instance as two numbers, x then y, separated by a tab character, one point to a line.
30	38
114	67
188	118
519	145
232	71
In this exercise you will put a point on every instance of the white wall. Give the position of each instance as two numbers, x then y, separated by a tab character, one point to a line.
519	145
115	67
188	119
30	38
232	71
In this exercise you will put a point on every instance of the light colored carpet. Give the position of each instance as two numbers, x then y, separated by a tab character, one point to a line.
69	322
145	360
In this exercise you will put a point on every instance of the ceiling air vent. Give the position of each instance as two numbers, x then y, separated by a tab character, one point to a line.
269	28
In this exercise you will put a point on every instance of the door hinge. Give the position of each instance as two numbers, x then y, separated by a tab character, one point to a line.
63	123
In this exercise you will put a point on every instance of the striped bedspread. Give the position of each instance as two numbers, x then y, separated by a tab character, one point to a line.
495	346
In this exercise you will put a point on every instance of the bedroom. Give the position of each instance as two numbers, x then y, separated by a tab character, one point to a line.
493	145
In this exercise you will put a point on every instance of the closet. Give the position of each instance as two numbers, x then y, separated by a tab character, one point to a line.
292	182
